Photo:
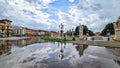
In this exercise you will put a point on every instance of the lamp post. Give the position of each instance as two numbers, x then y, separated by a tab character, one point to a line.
108	34
73	38
87	34
61	26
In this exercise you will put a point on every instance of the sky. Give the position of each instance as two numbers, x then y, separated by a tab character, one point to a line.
49	14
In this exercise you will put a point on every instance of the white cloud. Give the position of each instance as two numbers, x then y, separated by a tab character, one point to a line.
93	13
47	1
96	13
24	14
71	0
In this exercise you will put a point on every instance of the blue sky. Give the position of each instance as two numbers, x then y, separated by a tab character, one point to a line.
48	14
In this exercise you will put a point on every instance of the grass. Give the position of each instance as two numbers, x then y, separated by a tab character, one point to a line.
51	39
47	38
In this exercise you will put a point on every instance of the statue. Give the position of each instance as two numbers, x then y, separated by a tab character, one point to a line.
117	30
80	32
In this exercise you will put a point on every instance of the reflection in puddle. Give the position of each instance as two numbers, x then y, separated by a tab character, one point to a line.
5	47
81	49
30	53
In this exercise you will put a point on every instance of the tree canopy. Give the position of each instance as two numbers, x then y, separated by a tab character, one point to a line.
85	30
109	28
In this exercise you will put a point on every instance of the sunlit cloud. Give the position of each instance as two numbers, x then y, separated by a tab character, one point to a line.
48	14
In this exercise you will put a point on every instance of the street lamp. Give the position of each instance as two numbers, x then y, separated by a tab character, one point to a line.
108	34
73	38
87	34
61	26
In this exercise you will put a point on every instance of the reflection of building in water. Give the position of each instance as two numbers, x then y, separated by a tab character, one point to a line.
19	43
5	48
81	49
25	42
61	50
117	51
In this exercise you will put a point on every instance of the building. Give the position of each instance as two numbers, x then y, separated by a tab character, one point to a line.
54	34
97	33
5	28
20	31
43	33
23	31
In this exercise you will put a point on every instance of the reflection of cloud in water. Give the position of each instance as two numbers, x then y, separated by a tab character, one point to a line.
89	59
46	55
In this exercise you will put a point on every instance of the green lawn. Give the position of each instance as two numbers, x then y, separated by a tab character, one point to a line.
47	38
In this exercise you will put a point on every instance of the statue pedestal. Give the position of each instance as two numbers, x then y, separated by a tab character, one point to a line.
81	38
117	30
117	35
81	32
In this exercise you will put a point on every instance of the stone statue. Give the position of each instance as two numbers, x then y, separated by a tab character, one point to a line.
117	30
80	32
118	22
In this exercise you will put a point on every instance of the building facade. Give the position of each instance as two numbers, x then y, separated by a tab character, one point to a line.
20	31
5	28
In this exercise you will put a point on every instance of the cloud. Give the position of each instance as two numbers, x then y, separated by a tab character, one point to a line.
95	14
71	1
25	14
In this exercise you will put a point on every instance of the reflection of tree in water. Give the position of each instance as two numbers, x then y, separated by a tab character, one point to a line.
117	61
5	47
117	51
81	49
61	49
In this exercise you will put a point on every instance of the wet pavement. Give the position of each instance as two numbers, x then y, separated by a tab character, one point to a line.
31	53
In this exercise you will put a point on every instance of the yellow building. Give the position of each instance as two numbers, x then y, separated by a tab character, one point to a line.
28	32
5	27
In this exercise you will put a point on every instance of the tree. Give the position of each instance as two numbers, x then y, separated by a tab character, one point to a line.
108	28
76	31
85	30
91	33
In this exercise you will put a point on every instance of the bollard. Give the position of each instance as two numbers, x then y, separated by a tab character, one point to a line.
73	38
108	39
93	38
86	38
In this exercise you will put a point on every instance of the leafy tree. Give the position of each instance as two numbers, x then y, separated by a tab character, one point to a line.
76	31
85	30
108	28
91	33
